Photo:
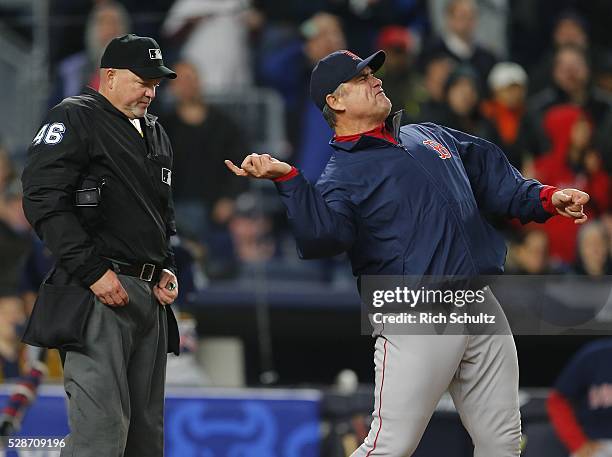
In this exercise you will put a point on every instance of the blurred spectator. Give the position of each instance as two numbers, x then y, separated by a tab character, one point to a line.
492	30
148	16
202	137
254	250
288	70
251	232
362	20
7	173
462	105
12	318
571	162
214	37
402	84
572	159
580	403
15	238
570	29
286	63
248	243
529	255
68	21
571	84
323	34
106	21
508	86
38	263
437	69
593	250
458	39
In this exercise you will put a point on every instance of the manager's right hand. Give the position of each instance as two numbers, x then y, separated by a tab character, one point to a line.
262	166
109	290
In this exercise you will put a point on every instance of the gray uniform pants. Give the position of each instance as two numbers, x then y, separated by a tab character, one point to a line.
413	372
116	386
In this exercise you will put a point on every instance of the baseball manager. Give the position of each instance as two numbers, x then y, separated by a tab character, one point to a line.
411	201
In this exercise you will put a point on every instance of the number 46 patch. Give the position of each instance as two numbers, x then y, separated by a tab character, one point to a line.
50	134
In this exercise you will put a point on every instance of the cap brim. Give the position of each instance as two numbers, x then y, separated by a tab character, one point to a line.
154	72
375	61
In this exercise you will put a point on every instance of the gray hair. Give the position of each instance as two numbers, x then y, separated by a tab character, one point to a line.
328	113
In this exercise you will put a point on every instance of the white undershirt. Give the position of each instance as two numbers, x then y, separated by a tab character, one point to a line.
136	124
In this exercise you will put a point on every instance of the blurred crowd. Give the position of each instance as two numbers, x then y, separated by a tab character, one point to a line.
534	77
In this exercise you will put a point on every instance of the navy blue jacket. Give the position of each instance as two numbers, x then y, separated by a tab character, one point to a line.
415	208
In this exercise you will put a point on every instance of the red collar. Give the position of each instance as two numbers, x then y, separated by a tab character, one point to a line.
377	132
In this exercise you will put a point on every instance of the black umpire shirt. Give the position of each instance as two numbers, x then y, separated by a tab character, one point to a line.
87	136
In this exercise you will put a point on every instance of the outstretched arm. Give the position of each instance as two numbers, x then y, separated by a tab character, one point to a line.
500	188
323	224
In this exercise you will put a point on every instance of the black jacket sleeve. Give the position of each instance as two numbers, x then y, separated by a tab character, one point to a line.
57	158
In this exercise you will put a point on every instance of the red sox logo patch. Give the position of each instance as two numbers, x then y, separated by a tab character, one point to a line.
441	150
350	54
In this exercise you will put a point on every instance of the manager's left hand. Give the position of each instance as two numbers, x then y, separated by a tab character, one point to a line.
166	290
570	203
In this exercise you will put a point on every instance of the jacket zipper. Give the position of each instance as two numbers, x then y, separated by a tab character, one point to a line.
448	204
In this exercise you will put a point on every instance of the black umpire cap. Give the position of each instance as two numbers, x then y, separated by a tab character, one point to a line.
140	55
337	68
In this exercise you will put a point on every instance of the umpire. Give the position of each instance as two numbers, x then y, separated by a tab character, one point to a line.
97	192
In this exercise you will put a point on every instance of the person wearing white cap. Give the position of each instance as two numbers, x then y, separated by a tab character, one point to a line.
506	74
508	85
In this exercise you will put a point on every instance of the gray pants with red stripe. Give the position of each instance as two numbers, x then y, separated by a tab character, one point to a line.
413	372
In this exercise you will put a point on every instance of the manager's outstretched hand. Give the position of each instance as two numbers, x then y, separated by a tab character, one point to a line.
570	203
262	166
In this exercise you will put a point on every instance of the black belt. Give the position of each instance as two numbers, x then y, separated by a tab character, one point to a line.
145	271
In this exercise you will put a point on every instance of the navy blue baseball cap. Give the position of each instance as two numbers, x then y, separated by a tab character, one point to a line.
141	55
337	68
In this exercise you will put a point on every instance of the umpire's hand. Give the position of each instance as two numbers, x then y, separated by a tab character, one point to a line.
570	203
166	290
260	166
109	290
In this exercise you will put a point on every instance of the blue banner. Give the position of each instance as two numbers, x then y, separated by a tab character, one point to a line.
205	422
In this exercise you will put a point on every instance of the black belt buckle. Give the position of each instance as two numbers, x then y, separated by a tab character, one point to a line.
147	272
